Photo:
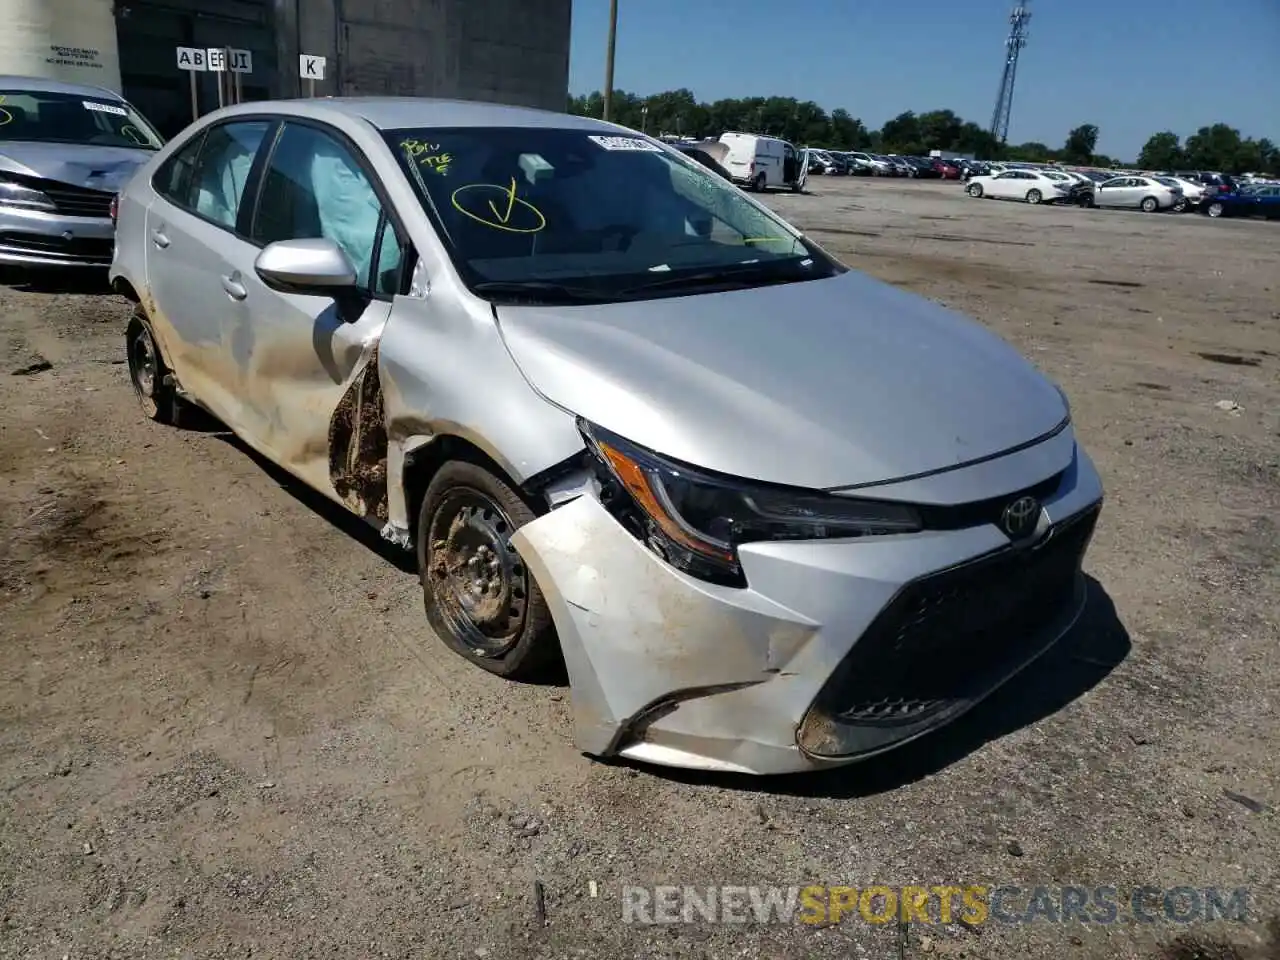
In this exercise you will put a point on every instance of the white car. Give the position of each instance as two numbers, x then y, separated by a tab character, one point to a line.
878	167
1142	193
1033	186
1192	192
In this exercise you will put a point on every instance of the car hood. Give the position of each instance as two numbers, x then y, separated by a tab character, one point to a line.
820	384
95	167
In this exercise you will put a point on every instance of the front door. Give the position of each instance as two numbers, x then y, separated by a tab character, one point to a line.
305	351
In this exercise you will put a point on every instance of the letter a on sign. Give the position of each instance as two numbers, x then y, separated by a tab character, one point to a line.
192	58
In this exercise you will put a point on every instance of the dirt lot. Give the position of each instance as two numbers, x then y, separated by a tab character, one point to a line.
225	729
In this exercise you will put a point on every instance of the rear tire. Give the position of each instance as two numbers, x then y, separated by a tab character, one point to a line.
1150	205
1034	196
480	597
974	190
1180	206
1215	209
760	184
149	374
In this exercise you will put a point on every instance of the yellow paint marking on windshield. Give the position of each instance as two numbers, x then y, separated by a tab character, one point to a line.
505	216
428	155
505	211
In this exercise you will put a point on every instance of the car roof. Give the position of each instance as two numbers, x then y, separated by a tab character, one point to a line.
41	85
394	113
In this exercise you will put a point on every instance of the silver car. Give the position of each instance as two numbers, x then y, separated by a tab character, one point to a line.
772	513
65	150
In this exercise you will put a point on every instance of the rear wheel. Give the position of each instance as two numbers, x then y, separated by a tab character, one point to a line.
974	190
480	597
1150	205
760	184
1180	206
149	375
1215	209
1034	196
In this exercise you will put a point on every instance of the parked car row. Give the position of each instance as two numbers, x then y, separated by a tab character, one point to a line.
856	163
1215	194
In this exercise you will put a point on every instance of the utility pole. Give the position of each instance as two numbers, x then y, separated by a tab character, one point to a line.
1018	36
608	60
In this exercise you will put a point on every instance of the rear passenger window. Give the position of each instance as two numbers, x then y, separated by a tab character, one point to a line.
173	180
222	170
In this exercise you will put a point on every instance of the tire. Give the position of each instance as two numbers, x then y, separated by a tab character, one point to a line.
1215	209
797	187
974	190
480	597
1034	196
760	184
1180	206
149	374
1150	205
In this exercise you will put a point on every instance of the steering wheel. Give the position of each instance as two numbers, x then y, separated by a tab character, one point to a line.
625	233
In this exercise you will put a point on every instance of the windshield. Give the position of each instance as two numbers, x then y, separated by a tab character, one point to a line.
100	121
575	214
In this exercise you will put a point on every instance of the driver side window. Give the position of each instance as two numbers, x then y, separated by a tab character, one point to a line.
314	188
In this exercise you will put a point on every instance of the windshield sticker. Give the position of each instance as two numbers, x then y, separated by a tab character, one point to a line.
105	108
427	155
625	143
498	207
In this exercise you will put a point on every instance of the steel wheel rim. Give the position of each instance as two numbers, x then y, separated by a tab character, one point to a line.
142	364
479	582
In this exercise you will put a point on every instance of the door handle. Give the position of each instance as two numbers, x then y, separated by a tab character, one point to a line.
159	239
235	289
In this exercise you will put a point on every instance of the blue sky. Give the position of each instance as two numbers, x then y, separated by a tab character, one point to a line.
1132	67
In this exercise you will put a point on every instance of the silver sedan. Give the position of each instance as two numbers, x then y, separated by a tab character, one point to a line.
770	513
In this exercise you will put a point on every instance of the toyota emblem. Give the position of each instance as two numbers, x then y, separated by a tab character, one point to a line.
1021	517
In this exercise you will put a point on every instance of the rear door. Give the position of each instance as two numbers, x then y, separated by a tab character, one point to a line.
195	249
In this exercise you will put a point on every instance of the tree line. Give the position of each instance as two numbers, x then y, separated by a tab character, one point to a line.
803	122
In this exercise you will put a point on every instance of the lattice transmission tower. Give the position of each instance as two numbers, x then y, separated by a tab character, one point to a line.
1018	36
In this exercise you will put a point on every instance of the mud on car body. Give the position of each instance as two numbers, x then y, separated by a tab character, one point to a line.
772	514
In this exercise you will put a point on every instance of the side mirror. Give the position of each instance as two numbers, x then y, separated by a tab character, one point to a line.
306	266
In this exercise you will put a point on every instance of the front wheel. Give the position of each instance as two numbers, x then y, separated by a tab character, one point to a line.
1034	196
480	597
760	184
1215	210
974	190
1150	205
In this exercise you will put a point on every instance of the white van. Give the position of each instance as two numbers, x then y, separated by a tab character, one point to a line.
758	162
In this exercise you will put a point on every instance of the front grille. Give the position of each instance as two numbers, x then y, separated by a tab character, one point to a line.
944	638
89	249
77	201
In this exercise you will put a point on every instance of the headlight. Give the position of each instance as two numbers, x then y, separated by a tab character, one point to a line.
696	520
23	197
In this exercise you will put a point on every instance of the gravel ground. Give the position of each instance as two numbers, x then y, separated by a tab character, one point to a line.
225	729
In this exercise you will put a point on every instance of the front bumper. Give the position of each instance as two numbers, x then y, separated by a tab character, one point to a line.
837	650
35	239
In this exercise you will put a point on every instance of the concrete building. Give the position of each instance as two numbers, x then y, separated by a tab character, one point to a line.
509	51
